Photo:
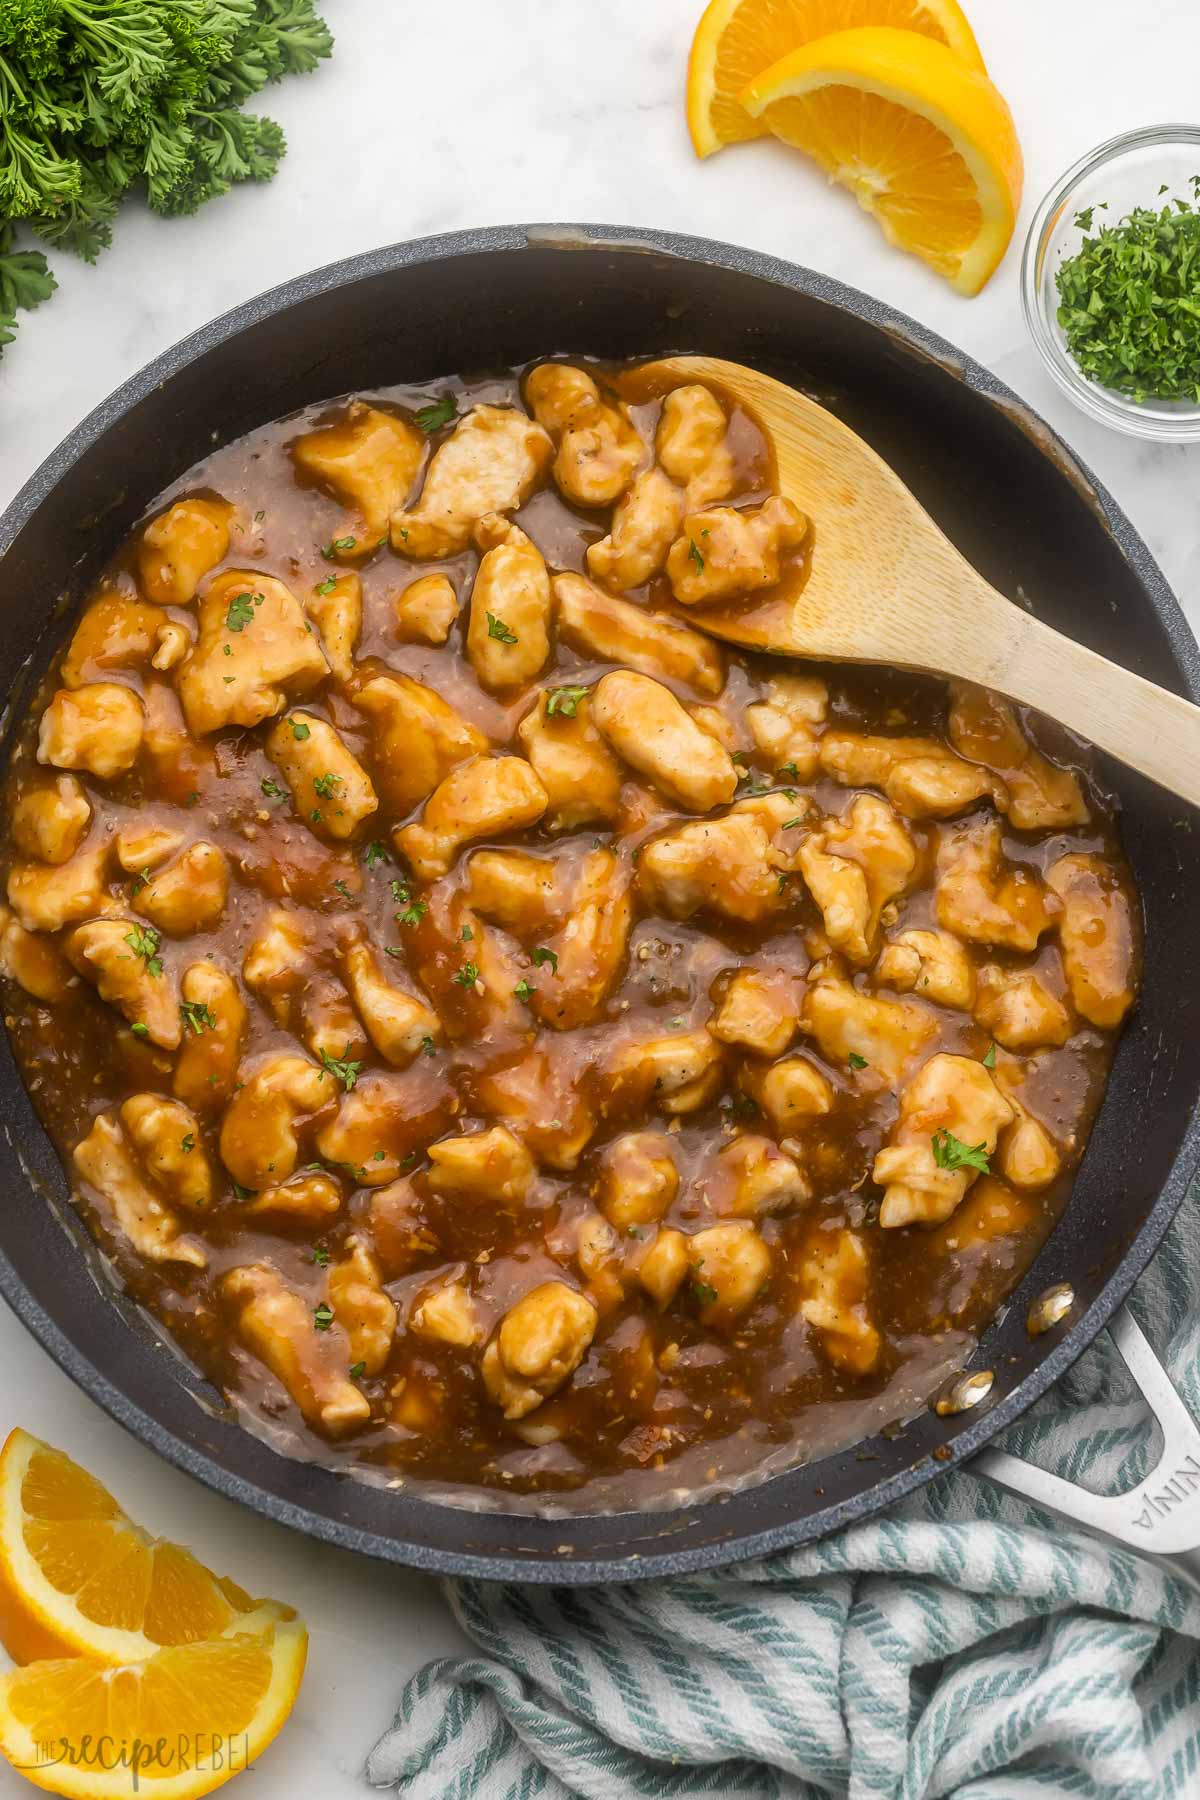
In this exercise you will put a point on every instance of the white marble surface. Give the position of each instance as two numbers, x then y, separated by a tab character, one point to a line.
430	118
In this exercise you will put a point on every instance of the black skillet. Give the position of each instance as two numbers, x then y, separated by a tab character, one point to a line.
1016	502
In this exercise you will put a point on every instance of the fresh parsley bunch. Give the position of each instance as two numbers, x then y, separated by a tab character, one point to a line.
98	97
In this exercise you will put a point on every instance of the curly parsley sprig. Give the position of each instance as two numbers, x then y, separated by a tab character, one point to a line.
100	99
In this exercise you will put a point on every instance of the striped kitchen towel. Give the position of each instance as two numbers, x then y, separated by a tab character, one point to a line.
964	1645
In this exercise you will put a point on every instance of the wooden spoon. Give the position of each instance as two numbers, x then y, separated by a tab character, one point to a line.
887	587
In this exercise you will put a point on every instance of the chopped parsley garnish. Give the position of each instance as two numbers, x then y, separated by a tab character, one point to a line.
300	730
244	1193
428	1047
412	915
542	955
1129	304
139	1029
140	880
143	940
695	556
329	551
327	785
341	1068
468	975
197	1017
788	768
327	586
320	1255
438	413
187	1144
272	789
357	1370
704	1291
343	890
989	1061
522	989
401	892
467	934
323	1316
950	1152
856	1061
564	700
375	853
241	612
498	629
788	823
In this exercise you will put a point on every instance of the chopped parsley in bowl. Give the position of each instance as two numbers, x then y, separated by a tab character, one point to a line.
1111	282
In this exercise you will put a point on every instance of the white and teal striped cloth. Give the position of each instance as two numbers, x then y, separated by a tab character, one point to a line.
965	1645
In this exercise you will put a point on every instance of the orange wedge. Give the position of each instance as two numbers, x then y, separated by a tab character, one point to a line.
170	1726
79	1578
925	144
737	39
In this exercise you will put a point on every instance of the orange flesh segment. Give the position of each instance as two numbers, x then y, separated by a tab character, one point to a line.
734	43
928	197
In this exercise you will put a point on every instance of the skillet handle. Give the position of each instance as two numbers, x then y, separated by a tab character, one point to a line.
1161	1515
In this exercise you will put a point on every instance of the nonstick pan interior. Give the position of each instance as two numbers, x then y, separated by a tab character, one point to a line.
1017	504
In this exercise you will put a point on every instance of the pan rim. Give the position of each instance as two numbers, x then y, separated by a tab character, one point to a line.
981	1428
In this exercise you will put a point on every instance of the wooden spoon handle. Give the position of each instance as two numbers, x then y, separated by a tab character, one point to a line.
1135	721
887	586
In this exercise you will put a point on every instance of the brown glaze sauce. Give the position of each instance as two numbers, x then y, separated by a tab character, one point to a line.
662	1400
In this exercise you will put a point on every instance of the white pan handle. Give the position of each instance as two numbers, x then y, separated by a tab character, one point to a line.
1161	1515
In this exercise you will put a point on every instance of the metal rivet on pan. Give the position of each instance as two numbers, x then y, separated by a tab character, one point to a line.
964	1392
1050	1308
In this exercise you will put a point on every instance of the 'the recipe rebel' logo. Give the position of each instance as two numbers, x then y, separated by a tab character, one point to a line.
200	1752
1182	1484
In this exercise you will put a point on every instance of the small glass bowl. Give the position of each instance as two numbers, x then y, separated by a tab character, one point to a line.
1128	171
